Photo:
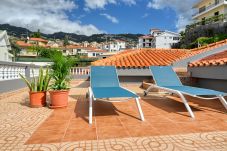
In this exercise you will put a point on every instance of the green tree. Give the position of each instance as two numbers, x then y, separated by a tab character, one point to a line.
66	40
36	34
15	49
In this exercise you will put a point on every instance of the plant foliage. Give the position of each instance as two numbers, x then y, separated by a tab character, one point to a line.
61	71
40	83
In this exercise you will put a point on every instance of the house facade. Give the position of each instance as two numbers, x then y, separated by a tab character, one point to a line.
89	52
114	45
5	47
145	41
210	11
159	39
164	39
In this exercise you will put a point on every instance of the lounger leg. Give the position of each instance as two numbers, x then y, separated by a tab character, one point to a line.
186	104
223	101
90	107
139	108
148	89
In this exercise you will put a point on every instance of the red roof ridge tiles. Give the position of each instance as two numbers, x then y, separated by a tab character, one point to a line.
213	60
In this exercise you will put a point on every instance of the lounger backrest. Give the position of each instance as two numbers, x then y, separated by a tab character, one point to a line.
165	76
104	76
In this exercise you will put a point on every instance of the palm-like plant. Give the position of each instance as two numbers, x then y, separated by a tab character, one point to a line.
38	84
61	71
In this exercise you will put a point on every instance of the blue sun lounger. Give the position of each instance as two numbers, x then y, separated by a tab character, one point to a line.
104	84
166	79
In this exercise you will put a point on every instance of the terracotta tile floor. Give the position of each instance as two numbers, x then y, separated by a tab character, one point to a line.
116	126
164	115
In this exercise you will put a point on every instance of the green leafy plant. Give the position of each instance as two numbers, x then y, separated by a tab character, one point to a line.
61	71
40	83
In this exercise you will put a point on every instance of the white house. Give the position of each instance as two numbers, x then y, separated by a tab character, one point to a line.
5	47
114	46
145	41
165	39
82	51
159	39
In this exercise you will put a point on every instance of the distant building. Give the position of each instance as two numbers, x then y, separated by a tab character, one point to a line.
27	46
5	47
159	39
37	41
114	45
89	52
210	11
145	41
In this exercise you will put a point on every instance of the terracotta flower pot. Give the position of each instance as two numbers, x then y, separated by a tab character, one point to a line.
37	99
59	98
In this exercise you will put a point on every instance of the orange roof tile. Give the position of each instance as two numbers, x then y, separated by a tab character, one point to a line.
23	44
213	60
149	56
38	39
143	58
147	37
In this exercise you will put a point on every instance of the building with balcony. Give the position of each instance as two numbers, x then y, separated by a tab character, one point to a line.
145	41
159	39
114	45
5	47
208	11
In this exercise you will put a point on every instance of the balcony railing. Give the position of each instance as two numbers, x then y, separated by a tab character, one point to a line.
80	71
203	9
10	71
214	19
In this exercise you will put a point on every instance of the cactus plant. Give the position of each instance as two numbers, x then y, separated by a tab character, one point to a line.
38	84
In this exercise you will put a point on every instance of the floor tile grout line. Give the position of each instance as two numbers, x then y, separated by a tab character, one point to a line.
67	126
124	127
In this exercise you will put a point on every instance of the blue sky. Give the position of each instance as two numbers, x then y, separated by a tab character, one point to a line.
131	19
97	16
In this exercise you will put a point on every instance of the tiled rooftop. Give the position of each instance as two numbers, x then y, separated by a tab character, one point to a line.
38	39
150	56
213	60
116	126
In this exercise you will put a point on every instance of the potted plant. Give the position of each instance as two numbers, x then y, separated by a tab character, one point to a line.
38	87
61	78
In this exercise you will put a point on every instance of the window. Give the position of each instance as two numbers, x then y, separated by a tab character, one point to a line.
202	9
176	38
170	37
216	13
93	54
143	40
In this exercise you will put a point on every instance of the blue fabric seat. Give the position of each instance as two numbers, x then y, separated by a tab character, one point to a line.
164	76
194	90
112	92
166	79
104	83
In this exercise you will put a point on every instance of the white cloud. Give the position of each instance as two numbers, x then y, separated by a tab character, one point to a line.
100	4
183	10
111	18
145	15
47	15
129	2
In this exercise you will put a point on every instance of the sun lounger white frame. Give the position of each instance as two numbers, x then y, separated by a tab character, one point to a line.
181	95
